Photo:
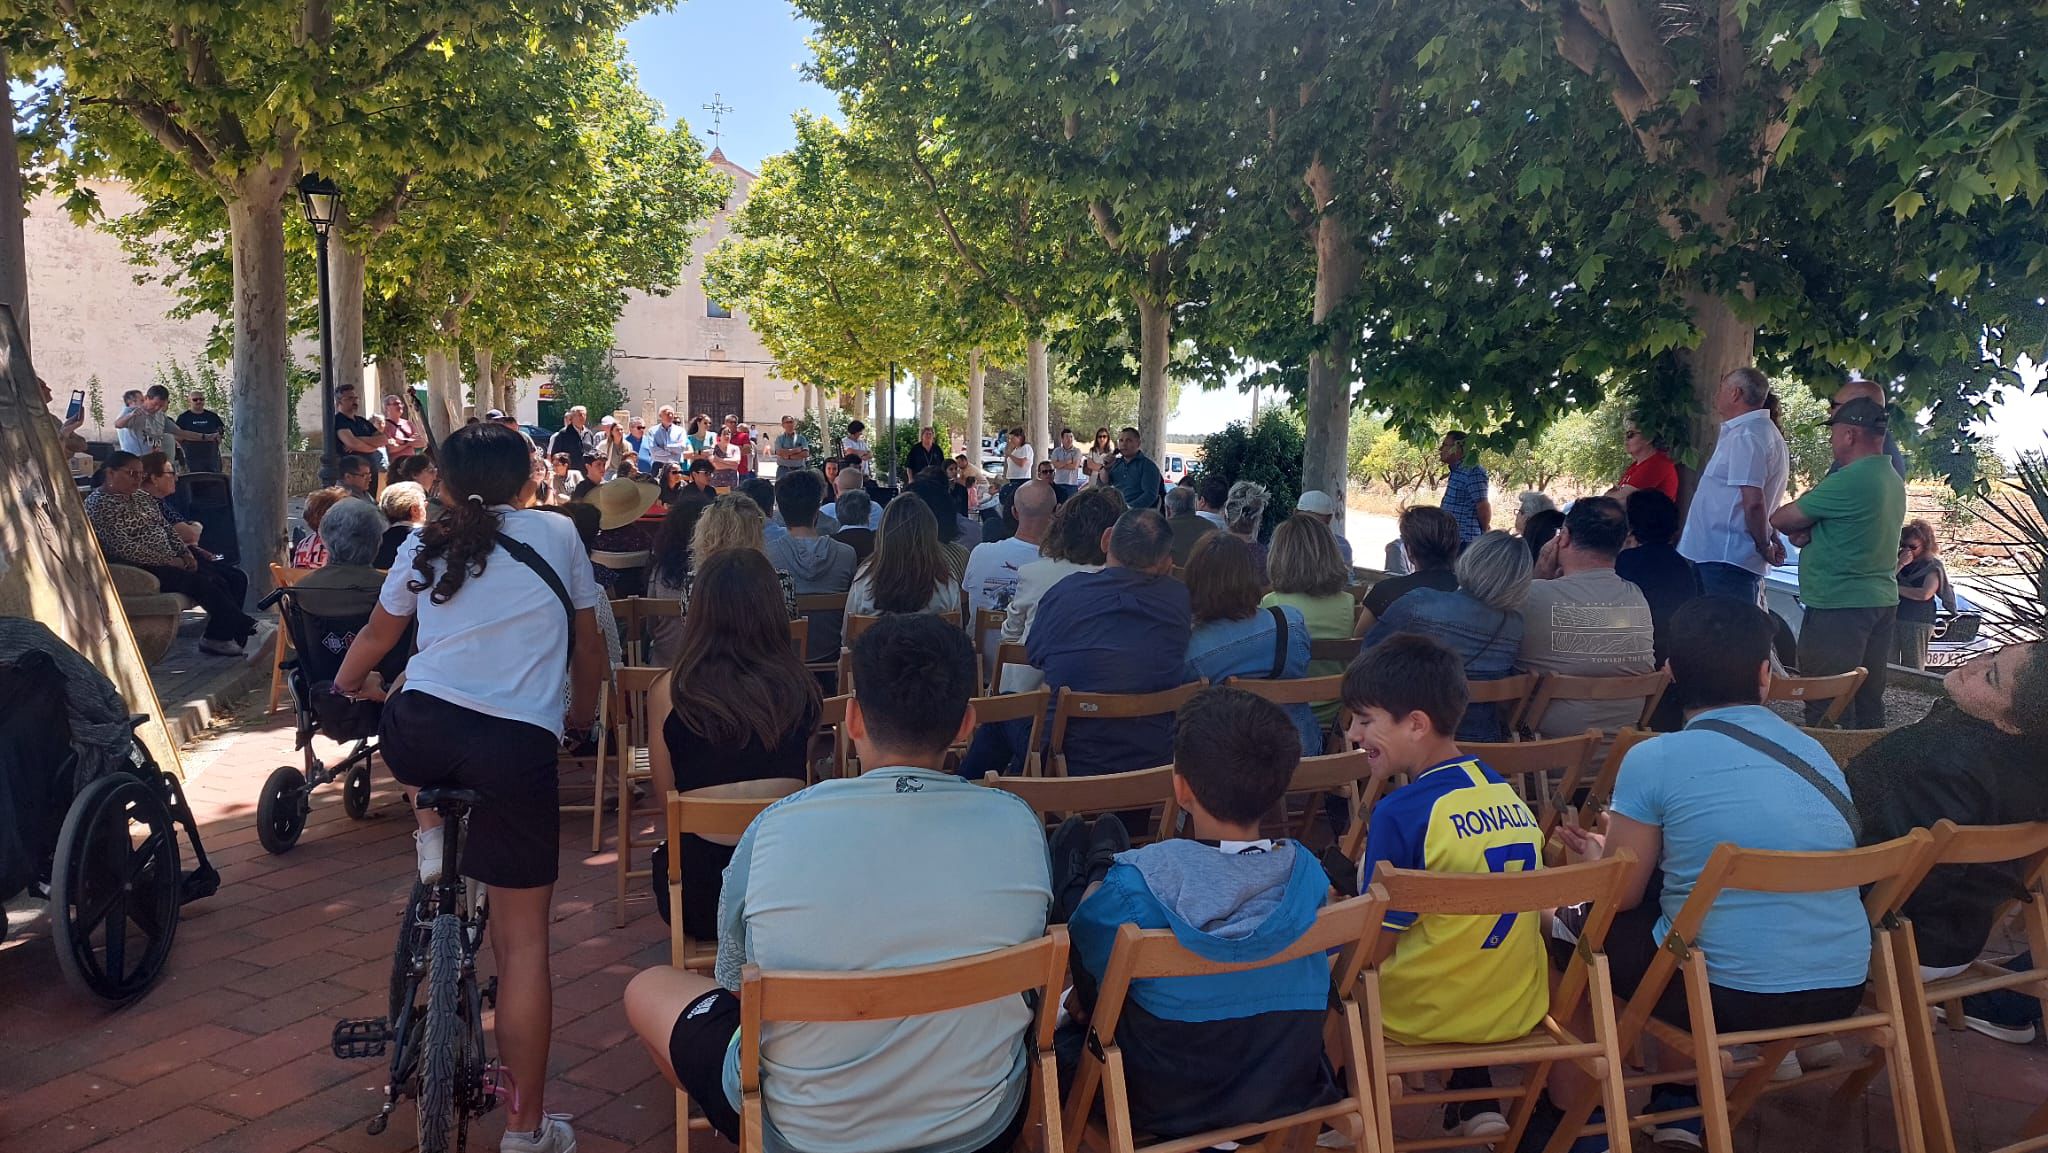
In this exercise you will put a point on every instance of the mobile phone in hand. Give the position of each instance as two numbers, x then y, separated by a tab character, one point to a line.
76	409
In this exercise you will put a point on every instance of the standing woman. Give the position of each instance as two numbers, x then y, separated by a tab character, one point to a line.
735	711
1920	579
908	572
401	438
481	708
697	446
855	443
1098	453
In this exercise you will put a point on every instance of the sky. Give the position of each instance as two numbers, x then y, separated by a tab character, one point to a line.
748	55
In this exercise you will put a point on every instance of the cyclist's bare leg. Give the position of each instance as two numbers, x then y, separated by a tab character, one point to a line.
519	945
655	1001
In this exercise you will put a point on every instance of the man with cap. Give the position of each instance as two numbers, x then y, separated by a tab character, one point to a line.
1323	507
1847	528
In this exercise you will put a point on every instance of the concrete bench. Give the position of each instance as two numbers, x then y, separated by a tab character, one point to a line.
152	612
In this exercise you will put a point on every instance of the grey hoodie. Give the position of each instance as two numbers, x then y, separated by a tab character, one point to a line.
816	565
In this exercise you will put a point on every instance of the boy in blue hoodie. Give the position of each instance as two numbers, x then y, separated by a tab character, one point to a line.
1205	1052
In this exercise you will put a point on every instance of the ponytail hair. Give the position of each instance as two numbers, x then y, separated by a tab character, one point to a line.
482	466
1776	408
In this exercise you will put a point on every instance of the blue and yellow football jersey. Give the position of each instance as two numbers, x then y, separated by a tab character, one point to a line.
1459	979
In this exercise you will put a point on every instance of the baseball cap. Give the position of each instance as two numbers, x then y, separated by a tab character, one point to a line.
607	422
1319	503
495	414
1861	412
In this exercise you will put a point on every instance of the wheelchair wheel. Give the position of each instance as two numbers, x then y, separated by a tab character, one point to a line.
114	889
281	810
355	792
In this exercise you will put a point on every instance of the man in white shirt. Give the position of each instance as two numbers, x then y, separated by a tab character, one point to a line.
1728	530
991	578
665	439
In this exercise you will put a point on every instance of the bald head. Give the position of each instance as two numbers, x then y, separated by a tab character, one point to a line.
849	479
1855	388
1034	503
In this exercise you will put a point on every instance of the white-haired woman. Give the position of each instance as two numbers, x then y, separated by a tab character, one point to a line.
1244	512
1481	620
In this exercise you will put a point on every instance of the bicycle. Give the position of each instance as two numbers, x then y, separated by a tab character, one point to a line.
437	1048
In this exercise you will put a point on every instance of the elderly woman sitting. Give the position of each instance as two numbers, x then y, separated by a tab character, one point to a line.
348	583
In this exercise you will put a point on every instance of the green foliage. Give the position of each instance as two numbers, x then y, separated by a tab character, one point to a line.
95	401
1394	460
1800	413
2016	519
205	376
823	443
906	439
1269	453
587	376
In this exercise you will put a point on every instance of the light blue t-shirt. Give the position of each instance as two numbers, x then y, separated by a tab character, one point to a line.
894	868
1704	789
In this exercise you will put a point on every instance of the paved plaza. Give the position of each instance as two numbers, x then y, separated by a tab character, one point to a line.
229	1052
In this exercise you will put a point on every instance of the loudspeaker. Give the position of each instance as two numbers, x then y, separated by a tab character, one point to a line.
213	504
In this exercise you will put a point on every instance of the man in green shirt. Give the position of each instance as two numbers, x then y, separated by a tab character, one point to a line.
1847	528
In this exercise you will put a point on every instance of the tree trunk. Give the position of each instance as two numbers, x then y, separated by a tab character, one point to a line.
1037	399
505	389
256	237
484	396
13	247
1155	336
444	389
977	418
1727	342
1329	367
346	272
927	398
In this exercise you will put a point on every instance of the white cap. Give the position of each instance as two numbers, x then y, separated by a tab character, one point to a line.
607	422
1319	503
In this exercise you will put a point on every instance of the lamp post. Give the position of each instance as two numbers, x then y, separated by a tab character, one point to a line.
322	202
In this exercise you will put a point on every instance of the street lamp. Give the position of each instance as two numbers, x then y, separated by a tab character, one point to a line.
322	202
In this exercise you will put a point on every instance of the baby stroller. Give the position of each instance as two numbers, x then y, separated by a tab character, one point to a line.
88	819
322	622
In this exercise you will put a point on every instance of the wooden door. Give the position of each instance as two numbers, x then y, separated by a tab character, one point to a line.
718	397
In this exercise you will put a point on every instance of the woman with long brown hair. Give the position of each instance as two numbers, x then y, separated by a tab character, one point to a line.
909	571
735	711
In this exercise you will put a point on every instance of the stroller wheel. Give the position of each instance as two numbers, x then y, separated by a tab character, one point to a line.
355	792
281	810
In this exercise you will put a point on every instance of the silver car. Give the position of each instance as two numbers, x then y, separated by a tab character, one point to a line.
1957	635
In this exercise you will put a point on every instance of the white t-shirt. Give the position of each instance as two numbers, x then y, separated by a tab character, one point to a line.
850	446
992	571
500	645
1750	453
1011	469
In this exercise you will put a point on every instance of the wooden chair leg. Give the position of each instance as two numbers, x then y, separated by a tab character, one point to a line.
1917	1027
277	667
1713	1087
624	761
1904	1077
682	1122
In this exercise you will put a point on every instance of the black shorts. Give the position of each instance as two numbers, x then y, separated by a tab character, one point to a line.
515	832
697	1048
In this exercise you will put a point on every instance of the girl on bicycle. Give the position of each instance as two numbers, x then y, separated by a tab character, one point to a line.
480	708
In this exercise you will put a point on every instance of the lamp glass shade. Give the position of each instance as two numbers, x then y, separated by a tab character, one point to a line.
321	201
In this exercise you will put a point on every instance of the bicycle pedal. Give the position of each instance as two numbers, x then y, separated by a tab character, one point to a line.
360	1037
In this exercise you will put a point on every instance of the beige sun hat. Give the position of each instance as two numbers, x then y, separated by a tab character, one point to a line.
620	502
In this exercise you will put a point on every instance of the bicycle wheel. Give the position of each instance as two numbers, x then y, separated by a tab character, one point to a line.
440	1064
403	985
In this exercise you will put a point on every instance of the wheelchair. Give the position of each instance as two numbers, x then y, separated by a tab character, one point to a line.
322	623
89	820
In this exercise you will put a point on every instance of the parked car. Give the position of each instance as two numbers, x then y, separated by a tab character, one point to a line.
1958	635
538	435
992	454
1173	467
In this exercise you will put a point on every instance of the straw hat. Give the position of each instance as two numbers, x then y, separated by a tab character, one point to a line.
620	502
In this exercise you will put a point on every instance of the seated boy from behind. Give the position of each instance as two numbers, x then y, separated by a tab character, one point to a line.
1228	894
1449	979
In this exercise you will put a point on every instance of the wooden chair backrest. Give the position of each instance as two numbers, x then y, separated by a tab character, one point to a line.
1561	687
632	684
1601	792
858	623
1341	649
1107	793
635	616
617	561
2025	843
702	816
832	722
1298	691
987	621
807	603
1117	706
1007	653
1839	690
1005	707
1530	765
800	636
1845	745
1512	693
284	576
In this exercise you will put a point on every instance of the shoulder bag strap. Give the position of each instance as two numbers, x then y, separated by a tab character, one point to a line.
1785	757
1279	642
524	554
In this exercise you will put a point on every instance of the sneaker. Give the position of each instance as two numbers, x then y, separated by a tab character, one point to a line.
553	1136
1069	848
1334	1139
1483	1124
426	845
1825	1055
1106	838
1687	1134
220	648
1982	1014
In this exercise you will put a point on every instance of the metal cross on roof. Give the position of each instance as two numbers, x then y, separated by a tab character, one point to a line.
717	108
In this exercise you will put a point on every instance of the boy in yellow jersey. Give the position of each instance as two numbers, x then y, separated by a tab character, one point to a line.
1449	979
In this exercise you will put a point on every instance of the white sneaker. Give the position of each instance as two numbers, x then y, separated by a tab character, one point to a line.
426	845
553	1136
1479	1125
1334	1139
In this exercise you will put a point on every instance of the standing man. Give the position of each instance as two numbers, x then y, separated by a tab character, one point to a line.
573	438
202	454
925	453
401	437
665	439
354	435
1133	474
791	450
146	423
1869	388
1465	490
1066	464
1728	530
1848	527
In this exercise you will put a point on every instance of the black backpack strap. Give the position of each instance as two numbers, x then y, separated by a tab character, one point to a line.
524	554
1279	643
1809	774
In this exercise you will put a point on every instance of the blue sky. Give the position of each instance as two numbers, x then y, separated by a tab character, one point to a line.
748	52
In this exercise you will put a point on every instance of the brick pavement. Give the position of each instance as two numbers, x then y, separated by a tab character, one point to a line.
229	1052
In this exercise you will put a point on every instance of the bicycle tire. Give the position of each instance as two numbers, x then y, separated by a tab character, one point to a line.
440	1064
403	989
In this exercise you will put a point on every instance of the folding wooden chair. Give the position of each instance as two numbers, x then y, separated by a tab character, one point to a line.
1845	745
1107	707
1142	955
635	617
858	623
1006	707
1347	774
1007	653
1547	773
597	761
281	576
1343	650
638	721
721	818
1601	793
1884	871
1299	691
800	636
988	637
1511	695
1038	967
1585	979
1839	690
1956	846
817	609
832	727
1556	687
1056	798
